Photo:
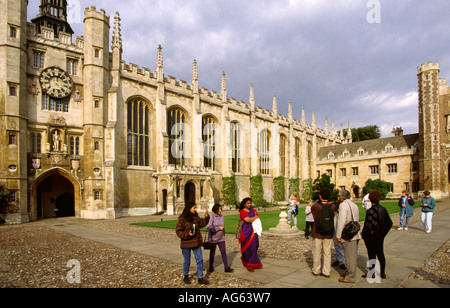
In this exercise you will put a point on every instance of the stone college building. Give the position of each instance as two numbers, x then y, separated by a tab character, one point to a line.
86	134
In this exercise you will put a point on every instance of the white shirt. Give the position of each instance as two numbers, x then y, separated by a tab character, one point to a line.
309	217
366	204
257	227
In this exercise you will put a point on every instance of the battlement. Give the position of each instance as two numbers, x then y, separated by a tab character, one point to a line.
92	12
428	67
47	35
444	89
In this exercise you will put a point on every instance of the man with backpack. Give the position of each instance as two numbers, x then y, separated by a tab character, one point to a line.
322	233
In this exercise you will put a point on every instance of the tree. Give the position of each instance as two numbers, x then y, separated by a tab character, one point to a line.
324	182
364	133
382	186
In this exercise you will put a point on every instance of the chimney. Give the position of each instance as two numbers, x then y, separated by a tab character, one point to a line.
397	131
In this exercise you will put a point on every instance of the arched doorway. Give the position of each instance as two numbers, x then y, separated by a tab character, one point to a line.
55	194
356	192
189	192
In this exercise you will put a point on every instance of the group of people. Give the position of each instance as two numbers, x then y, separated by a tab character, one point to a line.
325	222
330	219
188	230
406	204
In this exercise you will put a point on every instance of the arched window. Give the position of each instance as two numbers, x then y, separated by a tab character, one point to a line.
138	129
235	139
298	151
309	152
283	154
264	152
209	126
176	120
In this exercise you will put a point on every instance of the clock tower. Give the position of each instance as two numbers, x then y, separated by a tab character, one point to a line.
53	15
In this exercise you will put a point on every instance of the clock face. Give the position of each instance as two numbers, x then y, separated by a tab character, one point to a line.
56	83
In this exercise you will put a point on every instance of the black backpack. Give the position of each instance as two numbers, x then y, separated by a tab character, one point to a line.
325	220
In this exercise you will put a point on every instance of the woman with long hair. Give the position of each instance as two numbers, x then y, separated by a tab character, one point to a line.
249	240
188	230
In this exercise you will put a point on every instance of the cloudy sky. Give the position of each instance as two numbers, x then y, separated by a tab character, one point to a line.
350	60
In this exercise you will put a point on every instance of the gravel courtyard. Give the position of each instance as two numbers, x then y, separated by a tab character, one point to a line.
35	256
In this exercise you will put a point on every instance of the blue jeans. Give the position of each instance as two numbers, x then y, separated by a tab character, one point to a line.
402	218
187	261
339	250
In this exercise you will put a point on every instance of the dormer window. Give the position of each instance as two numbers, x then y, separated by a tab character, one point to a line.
330	156
389	148
346	154
361	152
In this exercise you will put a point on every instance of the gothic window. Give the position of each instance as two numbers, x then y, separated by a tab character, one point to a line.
264	152
298	145
209	126
283	154
52	104
35	142
176	120
75	146
235	139
309	151
72	67
138	133
38	59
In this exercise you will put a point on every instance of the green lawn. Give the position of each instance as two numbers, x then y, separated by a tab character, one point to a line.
270	219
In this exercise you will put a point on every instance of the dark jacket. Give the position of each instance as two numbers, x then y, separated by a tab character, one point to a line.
377	223
184	227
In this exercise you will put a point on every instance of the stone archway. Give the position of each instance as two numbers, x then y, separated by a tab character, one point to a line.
55	193
356	192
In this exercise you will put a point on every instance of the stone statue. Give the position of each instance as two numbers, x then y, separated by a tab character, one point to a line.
56	141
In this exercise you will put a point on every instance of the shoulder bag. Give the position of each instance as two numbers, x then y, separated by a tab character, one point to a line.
351	229
239	229
207	245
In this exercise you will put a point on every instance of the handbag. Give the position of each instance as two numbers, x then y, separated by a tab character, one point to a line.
207	245
239	229
351	229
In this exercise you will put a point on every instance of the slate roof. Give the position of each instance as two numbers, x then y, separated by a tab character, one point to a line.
379	145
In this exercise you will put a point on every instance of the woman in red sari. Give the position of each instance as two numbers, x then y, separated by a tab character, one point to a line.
249	240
